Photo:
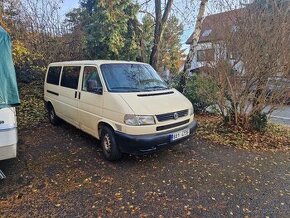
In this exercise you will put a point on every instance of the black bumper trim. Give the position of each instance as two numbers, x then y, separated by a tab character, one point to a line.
142	144
170	126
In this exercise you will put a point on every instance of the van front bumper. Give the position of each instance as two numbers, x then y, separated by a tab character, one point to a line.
143	144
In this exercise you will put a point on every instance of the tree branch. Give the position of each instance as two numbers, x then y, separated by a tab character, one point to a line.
148	13
167	11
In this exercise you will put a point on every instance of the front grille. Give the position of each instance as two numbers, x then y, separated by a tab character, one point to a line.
170	116
160	128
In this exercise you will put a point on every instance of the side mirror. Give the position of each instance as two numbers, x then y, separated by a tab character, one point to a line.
99	90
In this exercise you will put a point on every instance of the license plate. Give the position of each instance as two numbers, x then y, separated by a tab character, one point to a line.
179	135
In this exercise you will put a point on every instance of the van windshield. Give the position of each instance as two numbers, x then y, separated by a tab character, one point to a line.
131	78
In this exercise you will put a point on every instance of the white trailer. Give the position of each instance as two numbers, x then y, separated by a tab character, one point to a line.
8	133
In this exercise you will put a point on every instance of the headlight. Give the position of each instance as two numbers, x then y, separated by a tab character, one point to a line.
191	111
135	120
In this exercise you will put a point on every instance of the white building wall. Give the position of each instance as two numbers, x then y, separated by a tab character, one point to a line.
218	52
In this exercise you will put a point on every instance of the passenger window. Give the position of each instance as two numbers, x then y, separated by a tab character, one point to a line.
53	75
70	77
91	80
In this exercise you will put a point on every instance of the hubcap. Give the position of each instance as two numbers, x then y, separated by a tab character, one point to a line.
107	142
51	114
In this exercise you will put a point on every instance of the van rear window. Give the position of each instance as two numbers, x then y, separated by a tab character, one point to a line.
53	75
70	77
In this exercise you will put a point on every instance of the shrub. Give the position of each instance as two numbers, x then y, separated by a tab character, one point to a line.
259	122
28	65
201	91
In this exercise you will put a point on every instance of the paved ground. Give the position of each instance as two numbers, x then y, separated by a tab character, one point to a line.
281	116
60	172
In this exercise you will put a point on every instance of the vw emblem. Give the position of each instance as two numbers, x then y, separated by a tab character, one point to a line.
175	115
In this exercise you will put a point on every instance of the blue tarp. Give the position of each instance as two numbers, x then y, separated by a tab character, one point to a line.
9	95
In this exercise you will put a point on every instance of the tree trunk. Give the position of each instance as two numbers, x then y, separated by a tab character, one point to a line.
157	35
160	22
193	44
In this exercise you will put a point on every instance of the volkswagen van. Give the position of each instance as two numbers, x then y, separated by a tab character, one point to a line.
126	105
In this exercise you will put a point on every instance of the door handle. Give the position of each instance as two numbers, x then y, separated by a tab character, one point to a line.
79	95
76	94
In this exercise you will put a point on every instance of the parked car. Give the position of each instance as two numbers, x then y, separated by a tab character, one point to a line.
124	104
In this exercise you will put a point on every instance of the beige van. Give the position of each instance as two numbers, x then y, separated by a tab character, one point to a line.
124	104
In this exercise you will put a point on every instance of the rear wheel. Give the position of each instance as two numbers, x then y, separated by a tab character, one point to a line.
110	148
53	118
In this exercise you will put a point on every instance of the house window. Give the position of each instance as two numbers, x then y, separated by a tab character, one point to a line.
205	55
235	29
206	33
233	55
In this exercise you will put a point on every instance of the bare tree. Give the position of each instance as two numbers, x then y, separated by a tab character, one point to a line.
195	38
251	66
39	34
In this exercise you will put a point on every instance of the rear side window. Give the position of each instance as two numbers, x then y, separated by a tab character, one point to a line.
70	77
53	75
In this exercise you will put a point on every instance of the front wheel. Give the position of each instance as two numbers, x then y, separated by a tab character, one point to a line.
110	148
53	118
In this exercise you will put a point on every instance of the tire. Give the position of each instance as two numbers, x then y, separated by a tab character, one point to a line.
53	119
110	148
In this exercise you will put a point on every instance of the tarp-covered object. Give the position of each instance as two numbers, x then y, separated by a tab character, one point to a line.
9	95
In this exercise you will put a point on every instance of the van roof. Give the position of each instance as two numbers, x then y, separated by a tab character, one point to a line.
93	62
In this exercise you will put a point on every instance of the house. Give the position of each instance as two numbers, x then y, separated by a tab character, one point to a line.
213	29
214	46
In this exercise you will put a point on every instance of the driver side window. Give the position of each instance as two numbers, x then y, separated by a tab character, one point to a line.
91	80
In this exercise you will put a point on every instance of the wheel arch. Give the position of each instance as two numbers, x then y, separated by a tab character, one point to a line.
103	123
48	105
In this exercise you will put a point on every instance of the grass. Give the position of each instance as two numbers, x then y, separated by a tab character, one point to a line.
275	137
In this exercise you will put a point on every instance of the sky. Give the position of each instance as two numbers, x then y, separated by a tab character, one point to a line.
68	5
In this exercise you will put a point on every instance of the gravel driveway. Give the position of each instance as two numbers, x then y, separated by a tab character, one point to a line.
60	171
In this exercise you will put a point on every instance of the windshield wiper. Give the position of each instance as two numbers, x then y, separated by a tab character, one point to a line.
125	89
156	88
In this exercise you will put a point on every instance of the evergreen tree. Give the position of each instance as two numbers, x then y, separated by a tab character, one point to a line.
170	47
147	37
110	29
